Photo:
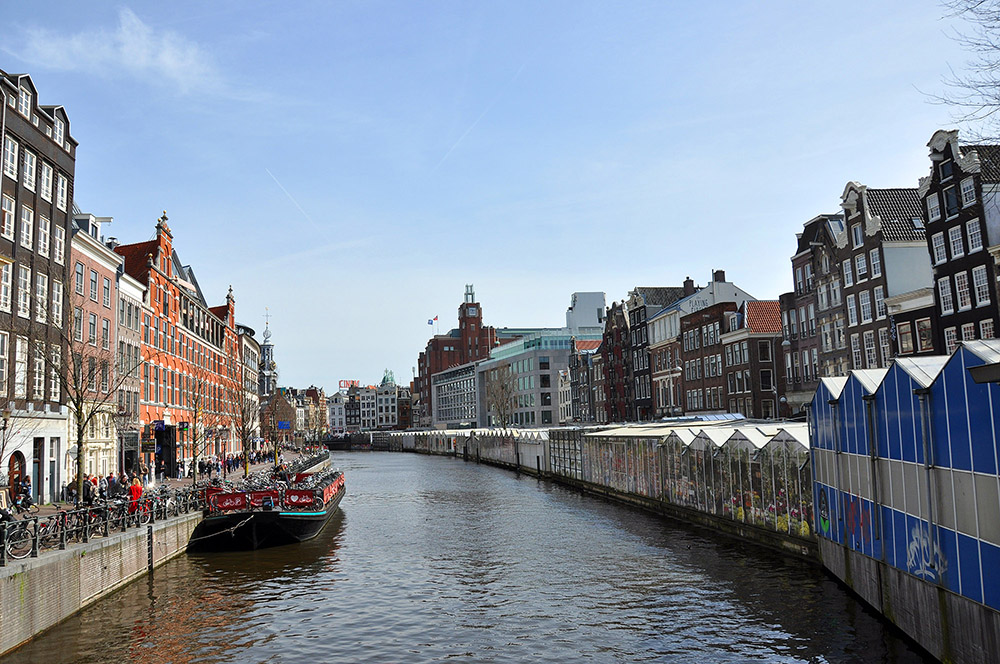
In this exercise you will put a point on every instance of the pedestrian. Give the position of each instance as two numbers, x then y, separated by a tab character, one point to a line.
134	493
145	475
112	485
88	491
102	487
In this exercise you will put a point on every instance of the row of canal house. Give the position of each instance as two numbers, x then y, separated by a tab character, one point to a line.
907	494
897	272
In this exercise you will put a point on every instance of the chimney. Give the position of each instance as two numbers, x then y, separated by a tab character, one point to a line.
112	243
688	286
718	275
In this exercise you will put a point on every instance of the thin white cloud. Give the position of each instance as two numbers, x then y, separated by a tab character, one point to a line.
133	49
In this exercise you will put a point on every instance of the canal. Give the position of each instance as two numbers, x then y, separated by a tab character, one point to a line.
433	558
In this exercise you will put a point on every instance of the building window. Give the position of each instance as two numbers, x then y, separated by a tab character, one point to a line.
41	296
848	273
968	331
21	368
856	351
879	303
105	334
950	202
876	263
93	285
79	278
944	296
862	266
925	339
933	208
904	335
24	102
38	373
43	236
986	329
54	374
92	330
4	355
59	132
57	303
10	149
955	239
871	359
884	345
62	192
59	245
857	235
865	301
980	282
27	226
23	291
7	218
940	254
962	291
968	191
78	324
6	284
30	166
852	311
107	292
46	192
950	340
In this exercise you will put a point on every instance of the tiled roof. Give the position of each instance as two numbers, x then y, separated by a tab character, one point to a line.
659	296
897	208
221	312
763	316
989	160
587	344
136	256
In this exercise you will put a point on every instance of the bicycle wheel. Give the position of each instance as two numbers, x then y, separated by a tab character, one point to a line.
145	513
19	543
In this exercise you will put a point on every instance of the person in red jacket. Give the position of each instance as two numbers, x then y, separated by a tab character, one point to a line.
135	493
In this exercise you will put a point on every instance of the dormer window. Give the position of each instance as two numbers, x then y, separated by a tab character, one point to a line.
945	169
24	102
59	132
918	223
857	235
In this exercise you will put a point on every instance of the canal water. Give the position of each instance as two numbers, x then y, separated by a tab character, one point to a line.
436	559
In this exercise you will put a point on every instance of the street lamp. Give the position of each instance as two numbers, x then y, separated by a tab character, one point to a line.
675	372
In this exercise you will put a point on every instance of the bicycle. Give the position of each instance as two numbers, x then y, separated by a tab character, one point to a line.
18	540
23	503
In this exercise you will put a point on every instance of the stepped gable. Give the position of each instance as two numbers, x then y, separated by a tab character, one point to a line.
897	208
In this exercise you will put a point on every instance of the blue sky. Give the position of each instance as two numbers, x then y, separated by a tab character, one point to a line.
351	166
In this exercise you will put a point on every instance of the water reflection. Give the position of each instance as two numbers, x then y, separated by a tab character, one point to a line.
437	559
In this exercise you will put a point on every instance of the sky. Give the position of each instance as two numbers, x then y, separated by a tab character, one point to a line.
350	166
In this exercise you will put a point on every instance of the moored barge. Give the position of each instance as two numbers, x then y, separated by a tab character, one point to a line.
246	520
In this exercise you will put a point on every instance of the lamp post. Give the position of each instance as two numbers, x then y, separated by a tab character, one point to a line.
675	372
3	439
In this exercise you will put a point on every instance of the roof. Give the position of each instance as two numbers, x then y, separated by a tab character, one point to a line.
989	160
870	378
221	312
834	385
658	296
923	370
763	316
587	344
136	256
897	208
986	349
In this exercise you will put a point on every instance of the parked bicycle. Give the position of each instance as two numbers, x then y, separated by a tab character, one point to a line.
17	535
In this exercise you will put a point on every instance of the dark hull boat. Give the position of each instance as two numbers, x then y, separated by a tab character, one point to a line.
241	521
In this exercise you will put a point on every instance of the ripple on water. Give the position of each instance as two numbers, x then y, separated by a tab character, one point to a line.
434	559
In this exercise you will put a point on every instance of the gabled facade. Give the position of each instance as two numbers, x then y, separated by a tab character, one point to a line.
754	362
882	253
36	191
616	351
959	197
812	315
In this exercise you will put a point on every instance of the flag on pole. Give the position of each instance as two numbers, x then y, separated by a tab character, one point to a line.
431	321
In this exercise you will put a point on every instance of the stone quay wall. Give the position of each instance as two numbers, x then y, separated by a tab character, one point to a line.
39	593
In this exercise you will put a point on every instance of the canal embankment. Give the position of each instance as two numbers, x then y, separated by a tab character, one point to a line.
38	593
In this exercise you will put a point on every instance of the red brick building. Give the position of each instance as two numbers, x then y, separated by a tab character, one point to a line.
189	354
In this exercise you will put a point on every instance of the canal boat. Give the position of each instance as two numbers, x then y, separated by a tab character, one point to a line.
282	514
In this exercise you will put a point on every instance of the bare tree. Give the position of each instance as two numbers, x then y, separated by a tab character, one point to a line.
243	408
201	398
501	389
975	90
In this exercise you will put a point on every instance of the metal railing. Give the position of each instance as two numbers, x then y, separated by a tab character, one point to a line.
24	538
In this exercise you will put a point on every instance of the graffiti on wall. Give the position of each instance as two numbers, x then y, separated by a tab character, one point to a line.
923	555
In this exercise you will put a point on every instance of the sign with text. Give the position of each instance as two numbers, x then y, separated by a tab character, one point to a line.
344	384
284	424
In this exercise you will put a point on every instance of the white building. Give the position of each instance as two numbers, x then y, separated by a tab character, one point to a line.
387	397
368	398
336	418
565	397
586	313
